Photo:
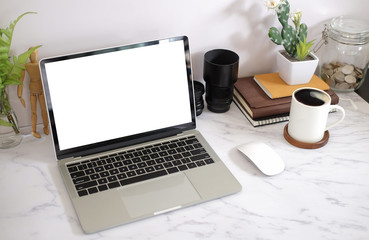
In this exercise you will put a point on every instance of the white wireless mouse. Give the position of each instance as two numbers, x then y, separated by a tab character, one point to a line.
263	157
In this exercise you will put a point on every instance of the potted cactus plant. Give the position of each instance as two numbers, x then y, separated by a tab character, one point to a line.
296	64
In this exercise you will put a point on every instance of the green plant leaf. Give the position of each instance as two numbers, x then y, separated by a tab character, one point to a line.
303	49
18	66
8	32
10	72
5	123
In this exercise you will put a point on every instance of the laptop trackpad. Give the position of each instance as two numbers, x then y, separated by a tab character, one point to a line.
153	197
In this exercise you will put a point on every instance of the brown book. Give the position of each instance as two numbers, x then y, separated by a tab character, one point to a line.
258	105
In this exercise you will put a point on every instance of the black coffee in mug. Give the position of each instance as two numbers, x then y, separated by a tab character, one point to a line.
311	97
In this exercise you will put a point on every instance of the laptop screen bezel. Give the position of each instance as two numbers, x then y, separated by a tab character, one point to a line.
123	141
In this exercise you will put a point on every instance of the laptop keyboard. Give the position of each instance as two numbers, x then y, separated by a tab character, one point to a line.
120	169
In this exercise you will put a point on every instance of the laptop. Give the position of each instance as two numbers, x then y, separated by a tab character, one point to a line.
123	127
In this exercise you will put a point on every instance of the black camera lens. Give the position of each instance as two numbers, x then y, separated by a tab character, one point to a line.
199	101
220	73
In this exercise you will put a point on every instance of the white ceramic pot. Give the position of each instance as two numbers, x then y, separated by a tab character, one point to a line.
296	72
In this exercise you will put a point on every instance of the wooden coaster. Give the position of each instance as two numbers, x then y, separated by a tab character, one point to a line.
305	145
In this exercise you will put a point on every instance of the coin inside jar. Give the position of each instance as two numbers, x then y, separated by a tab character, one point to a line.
347	69
341	75
350	79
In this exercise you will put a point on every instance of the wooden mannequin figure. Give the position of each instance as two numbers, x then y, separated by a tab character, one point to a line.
36	92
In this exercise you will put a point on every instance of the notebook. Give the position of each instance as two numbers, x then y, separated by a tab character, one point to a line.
123	127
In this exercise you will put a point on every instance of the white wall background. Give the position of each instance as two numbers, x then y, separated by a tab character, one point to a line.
239	25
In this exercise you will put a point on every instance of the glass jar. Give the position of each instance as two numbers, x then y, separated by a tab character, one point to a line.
10	135
344	58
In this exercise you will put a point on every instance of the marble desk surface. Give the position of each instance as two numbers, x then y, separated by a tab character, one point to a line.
322	194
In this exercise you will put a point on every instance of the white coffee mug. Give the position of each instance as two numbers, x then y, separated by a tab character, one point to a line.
309	114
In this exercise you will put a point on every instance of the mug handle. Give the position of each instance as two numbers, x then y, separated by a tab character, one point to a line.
339	120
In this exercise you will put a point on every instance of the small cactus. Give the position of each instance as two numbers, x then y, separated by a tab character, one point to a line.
289	37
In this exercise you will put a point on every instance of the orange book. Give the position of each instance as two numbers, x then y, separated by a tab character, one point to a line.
273	85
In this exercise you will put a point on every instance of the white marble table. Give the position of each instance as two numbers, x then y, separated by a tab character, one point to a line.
322	194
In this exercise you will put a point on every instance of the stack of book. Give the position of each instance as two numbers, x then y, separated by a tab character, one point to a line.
266	98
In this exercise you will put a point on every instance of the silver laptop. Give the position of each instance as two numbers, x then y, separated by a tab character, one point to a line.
123	127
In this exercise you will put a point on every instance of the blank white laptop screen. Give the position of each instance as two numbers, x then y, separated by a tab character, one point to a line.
115	94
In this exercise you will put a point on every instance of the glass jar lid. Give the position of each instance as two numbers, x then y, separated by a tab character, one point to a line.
349	30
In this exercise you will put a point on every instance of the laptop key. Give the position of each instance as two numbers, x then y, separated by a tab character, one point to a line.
168	165
142	165
172	170
159	160
197	145
112	178
151	162
127	162
108	166
131	174
177	162
150	169
101	162
137	154
182	167
143	177
82	167
82	193
128	155
89	171
146	151
72	169
165	147
113	185
145	158
209	161
200	163
155	149
192	140
121	176
185	160
199	157
173	145
136	160
102	181
92	190
191	165
159	167
186	154
168	158
140	171
118	164
172	151
198	151
77	174
86	185
104	174
99	169
154	155
123	169
102	188
95	176
132	167
81	180
113	171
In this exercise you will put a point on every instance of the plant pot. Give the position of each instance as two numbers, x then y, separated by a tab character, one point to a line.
295	72
10	135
